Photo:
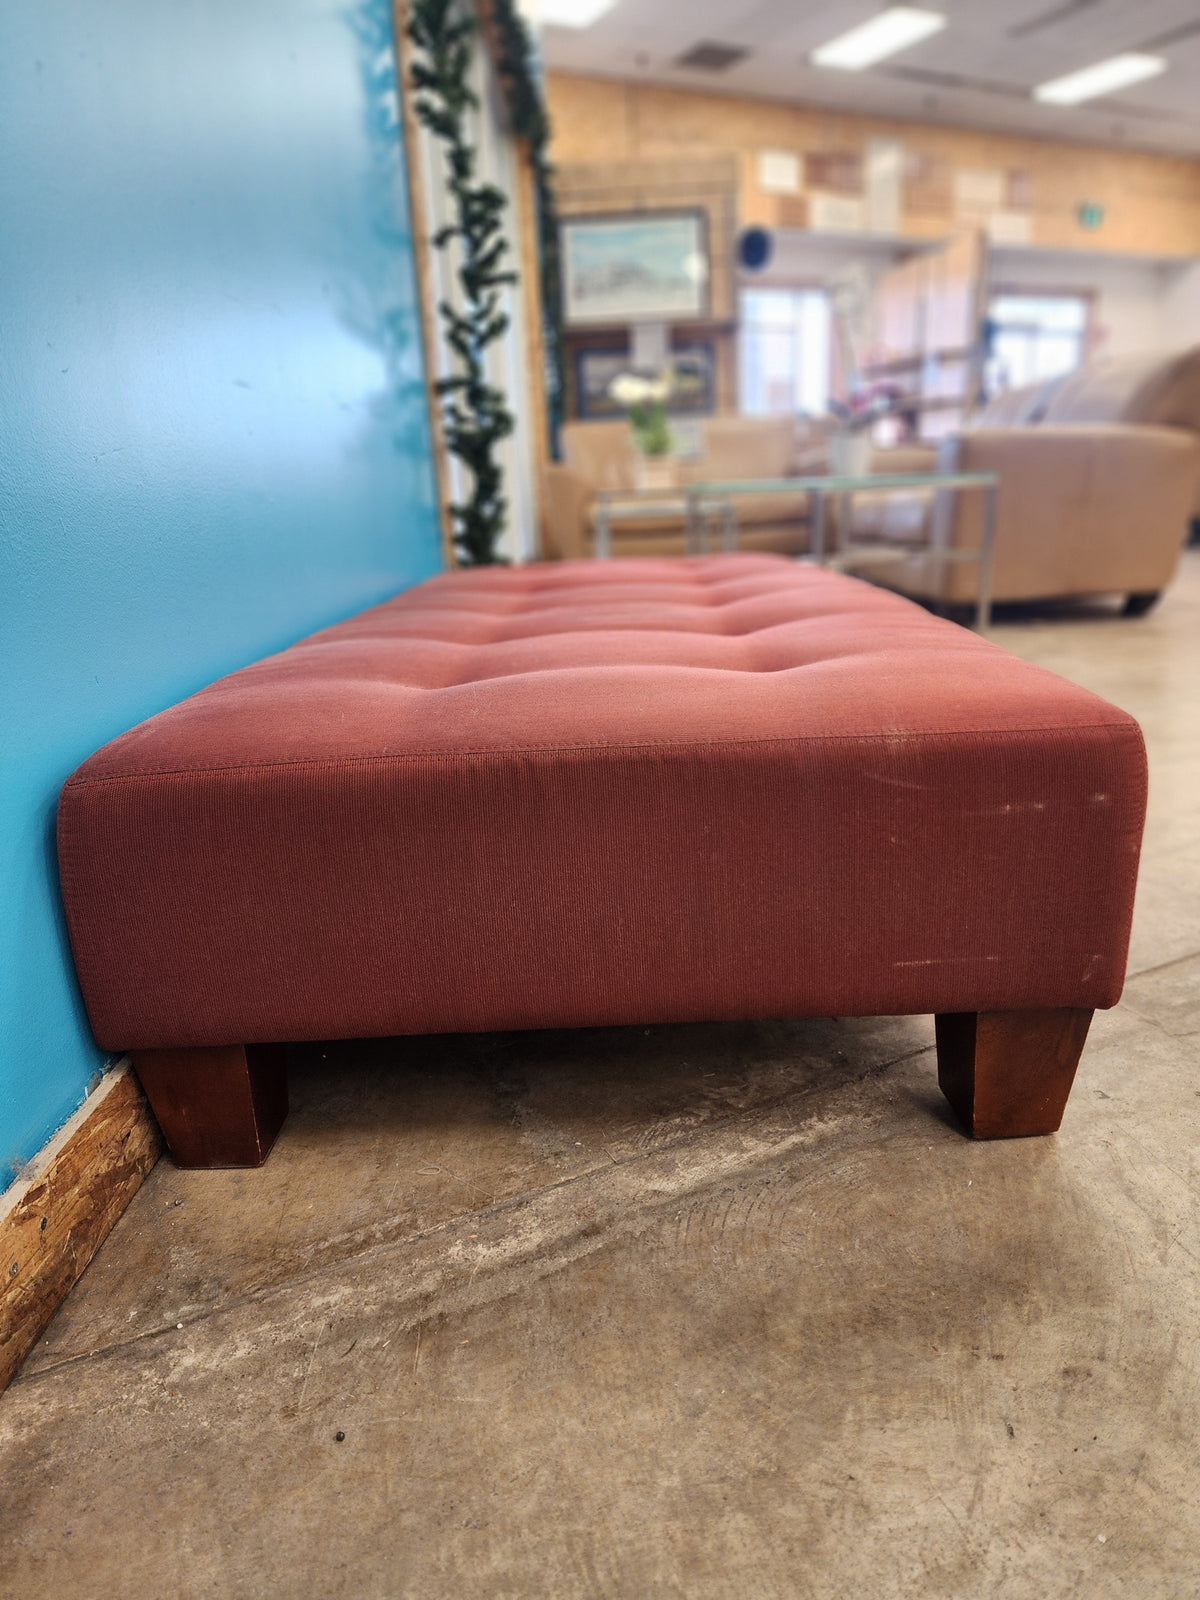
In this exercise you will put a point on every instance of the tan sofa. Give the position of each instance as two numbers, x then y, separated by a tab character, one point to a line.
602	456
1099	479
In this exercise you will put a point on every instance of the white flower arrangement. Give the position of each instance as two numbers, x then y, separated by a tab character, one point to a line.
645	399
629	389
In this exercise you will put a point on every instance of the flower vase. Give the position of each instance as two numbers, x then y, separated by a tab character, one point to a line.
850	454
655	473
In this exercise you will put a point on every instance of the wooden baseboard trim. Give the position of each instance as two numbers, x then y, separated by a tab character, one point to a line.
57	1215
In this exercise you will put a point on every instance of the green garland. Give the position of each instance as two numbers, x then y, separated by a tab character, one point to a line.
475	415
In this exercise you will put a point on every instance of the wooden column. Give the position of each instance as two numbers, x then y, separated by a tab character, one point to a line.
1007	1074
527	251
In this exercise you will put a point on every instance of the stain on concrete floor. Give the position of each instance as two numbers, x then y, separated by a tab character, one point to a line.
698	1313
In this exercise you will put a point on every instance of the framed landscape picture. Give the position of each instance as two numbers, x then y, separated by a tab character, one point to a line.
645	267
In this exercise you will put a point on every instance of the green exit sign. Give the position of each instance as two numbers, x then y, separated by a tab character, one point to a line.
1090	214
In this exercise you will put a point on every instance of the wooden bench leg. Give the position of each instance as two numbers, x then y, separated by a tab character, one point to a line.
217	1107
1007	1074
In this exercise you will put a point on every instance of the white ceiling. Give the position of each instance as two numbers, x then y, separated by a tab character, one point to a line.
977	73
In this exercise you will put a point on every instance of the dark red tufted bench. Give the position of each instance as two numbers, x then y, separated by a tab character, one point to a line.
593	793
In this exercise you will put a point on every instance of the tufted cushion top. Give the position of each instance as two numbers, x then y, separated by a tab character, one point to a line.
602	792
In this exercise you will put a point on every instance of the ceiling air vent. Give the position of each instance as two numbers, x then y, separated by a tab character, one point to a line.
708	56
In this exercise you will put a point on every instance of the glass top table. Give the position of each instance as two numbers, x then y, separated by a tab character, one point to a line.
702	503
685	503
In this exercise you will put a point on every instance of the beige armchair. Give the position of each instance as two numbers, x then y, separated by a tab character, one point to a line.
1080	510
1099	479
566	513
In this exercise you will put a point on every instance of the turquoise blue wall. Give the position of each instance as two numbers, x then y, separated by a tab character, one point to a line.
212	419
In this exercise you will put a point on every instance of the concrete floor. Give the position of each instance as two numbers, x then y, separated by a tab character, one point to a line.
694	1313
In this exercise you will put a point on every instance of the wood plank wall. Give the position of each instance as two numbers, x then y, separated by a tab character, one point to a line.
1151	202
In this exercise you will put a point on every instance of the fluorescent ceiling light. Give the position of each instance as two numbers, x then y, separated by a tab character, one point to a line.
572	13
1118	72
886	34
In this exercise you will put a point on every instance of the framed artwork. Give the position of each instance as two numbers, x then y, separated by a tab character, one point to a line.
695	369
648	266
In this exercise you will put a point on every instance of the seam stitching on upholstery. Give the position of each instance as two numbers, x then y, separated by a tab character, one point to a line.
1130	727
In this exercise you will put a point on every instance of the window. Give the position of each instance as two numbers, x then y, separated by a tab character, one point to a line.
1034	337
784	362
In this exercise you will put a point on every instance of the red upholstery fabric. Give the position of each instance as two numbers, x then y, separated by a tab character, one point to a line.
605	792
